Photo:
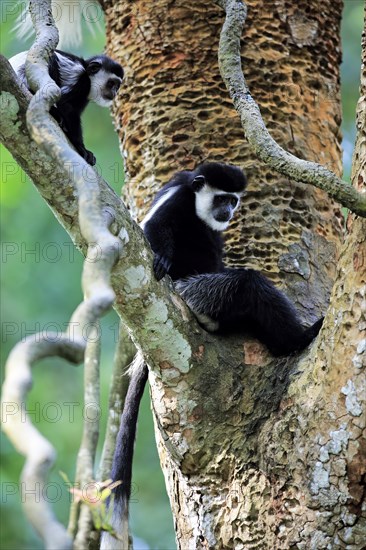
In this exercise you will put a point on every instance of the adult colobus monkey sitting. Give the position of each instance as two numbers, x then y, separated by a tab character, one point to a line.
184	230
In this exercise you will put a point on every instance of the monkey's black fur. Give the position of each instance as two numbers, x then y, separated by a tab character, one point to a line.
80	80
240	300
183	242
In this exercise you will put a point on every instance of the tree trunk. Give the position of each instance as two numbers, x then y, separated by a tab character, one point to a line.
256	453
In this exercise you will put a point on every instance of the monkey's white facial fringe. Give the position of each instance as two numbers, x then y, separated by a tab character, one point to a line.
98	88
204	201
69	18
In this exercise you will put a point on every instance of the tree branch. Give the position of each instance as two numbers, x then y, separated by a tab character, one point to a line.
40	455
137	291
358	175
85	465
262	143
96	285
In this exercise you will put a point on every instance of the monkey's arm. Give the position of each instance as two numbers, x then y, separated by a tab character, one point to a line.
71	125
161	239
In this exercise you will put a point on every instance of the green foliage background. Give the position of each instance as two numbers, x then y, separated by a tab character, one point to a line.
40	277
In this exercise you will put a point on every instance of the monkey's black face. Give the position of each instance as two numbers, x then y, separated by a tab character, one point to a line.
224	206
215	207
111	87
105	79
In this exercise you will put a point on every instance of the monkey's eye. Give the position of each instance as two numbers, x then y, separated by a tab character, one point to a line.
94	67
223	200
198	183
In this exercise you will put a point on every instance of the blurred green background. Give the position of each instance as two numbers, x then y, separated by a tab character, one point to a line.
40	278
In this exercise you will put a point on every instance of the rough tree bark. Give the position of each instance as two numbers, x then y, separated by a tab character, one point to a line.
255	453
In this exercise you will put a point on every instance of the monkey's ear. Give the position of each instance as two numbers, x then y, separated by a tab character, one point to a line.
198	183
93	67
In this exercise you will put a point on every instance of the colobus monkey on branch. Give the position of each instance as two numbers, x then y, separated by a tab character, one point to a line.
187	217
184	228
80	80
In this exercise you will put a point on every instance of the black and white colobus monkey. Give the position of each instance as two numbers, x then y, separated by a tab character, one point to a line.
184	230
187	217
80	80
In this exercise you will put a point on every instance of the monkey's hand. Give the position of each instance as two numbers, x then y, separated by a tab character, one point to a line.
56	115
88	156
161	265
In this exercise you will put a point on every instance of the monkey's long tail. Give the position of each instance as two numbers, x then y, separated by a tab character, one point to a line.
123	456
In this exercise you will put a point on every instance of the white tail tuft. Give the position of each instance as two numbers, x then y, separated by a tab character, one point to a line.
68	17
136	364
119	522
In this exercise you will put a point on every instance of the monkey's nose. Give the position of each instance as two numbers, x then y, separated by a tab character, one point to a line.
223	215
113	84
